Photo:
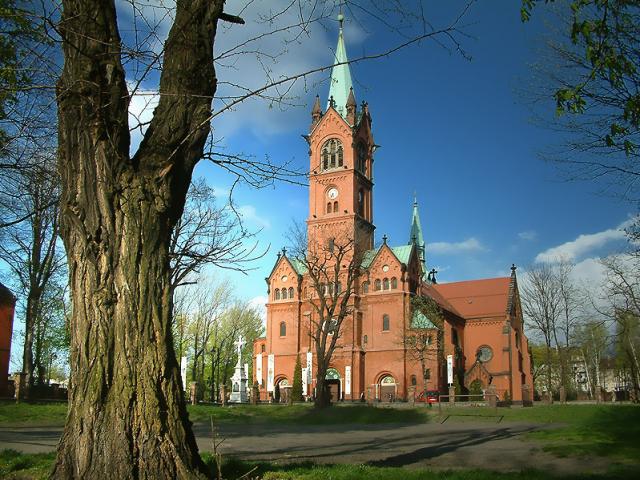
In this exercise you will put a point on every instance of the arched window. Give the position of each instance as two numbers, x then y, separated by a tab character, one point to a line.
414	380
365	287
283	329
335	207
361	202
284	293
394	283
277	294
332	154
385	323
385	284
290	292
376	284
329	207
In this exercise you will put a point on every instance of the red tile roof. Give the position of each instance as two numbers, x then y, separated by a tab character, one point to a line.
477	298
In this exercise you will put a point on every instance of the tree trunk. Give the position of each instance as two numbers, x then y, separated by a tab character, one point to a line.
322	399
27	350
127	418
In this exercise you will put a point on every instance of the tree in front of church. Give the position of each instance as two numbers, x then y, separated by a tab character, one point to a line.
332	266
296	389
423	340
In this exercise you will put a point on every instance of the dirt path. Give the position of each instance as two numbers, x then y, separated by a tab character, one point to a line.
452	445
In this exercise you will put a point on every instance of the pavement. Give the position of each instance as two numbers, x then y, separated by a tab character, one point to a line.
450	445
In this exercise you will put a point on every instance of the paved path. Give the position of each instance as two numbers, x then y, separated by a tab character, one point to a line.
496	446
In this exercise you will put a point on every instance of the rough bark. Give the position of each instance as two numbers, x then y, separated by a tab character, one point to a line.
127	418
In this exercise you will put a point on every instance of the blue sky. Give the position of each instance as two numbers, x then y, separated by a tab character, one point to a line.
455	132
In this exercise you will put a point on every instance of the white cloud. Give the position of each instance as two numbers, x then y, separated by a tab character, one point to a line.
141	107
584	244
469	245
266	49
259	303
528	235
250	214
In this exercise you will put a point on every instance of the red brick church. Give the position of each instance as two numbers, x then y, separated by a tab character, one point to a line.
483	326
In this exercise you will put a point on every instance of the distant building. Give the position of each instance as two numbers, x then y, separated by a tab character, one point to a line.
483	327
7	309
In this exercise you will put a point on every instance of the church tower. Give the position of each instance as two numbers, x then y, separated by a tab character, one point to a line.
341	150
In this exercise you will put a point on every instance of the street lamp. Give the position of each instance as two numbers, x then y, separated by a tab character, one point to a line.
213	375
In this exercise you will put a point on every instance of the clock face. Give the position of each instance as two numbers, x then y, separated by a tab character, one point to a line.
333	193
484	354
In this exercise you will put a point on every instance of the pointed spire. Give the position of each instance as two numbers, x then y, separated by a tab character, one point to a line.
351	108
316	111
415	234
340	74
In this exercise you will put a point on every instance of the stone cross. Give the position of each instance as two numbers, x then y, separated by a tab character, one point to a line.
240	343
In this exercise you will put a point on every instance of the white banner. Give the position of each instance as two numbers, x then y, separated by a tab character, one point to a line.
347	380
259	368
305	381
450	369
270	372
310	368
183	372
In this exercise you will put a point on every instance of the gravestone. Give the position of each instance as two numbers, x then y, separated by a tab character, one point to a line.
411	394
490	396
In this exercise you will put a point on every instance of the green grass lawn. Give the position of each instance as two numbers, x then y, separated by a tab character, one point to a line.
25	414
611	431
305	414
16	466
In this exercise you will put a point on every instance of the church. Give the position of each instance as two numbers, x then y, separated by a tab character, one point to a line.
481	333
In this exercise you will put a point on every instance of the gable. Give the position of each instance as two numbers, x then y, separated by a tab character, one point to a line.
284	273
330	125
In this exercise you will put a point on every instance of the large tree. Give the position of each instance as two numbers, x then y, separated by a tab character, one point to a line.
127	417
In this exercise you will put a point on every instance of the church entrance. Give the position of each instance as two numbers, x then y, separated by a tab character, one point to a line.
333	385
387	389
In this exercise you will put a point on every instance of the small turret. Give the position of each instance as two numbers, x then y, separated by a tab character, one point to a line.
351	108
316	112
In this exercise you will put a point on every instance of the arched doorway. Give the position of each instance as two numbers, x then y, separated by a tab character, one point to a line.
387	388
282	390
332	379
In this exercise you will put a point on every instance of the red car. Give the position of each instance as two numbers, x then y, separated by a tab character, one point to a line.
428	396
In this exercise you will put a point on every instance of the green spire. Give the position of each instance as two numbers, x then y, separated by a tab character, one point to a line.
415	235
340	75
